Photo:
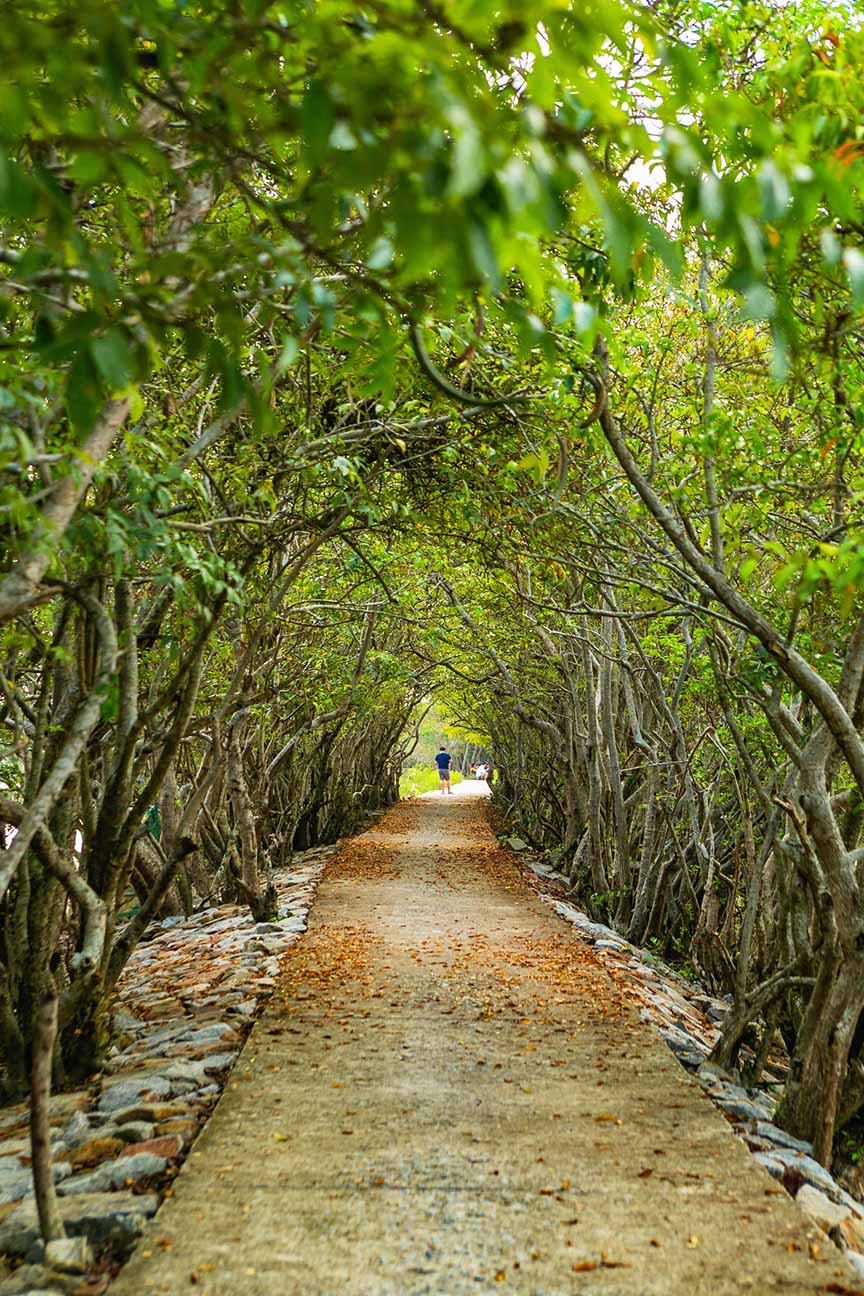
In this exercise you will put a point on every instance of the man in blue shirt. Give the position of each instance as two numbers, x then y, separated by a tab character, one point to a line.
442	760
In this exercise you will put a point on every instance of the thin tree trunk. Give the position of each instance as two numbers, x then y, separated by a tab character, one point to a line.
44	1036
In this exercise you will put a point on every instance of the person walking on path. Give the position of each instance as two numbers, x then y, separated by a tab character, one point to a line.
442	760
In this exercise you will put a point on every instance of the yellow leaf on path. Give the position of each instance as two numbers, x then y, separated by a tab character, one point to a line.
500	1275
692	1241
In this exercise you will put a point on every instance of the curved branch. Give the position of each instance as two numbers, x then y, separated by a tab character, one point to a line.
78	732
447	388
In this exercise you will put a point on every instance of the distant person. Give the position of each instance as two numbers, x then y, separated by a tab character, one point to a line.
482	773
442	760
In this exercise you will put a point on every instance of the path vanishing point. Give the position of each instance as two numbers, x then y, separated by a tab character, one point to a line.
448	1095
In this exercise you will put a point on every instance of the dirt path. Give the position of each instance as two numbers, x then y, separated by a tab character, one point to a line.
449	1096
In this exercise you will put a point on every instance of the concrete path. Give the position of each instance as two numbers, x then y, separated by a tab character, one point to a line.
448	1096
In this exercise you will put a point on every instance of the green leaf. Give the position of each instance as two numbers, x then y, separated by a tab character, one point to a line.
483	255
468	156
114	358
853	260
317	117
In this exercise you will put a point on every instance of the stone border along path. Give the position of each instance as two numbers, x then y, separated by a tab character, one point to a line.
449	1094
185	1004
687	1018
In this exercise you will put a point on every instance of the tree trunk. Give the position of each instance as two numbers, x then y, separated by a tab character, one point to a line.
811	1098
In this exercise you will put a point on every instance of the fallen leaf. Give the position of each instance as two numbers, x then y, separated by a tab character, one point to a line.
613	1264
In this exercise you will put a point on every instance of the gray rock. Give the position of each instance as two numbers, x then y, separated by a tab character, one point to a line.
742	1108
101	1217
77	1130
292	924
782	1160
769	1160
208	1091
17	1182
811	1170
824	1212
679	1037
262	946
857	1262
125	1092
140	1112
517	844
592	930
244	1009
615	945
205	1034
13	1188
219	1061
114	1174
124	1021
780	1138
183	1075
36	1280
70	1255
130	1131
689	1052
228	924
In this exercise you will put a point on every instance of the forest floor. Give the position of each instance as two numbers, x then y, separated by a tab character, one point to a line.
447	1094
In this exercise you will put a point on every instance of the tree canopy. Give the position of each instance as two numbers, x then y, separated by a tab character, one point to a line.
353	356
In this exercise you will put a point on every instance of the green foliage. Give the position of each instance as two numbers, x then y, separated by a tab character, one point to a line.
419	779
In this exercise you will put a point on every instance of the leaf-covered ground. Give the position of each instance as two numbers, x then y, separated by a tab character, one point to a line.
449	1095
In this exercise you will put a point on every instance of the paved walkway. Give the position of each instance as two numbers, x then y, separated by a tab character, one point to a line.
449	1096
